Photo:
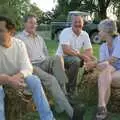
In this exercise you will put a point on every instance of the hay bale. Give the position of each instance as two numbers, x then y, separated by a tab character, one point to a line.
17	104
88	87
88	91
115	96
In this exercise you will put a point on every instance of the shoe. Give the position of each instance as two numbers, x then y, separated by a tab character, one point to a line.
101	114
79	112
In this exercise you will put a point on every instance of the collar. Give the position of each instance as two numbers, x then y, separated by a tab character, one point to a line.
29	35
81	33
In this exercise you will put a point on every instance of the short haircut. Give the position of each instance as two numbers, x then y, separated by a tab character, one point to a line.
9	24
77	15
28	17
108	26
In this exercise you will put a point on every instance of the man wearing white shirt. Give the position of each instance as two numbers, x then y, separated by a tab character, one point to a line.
16	70
72	40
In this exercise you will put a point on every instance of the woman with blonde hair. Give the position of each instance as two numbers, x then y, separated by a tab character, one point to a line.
109	64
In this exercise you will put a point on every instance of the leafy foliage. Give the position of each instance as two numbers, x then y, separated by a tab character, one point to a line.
99	7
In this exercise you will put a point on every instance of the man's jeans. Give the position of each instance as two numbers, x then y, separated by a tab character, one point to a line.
39	98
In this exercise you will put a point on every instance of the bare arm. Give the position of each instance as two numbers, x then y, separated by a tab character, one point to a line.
4	79
88	52
69	51
15	81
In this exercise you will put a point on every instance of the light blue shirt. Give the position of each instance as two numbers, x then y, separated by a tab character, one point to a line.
106	53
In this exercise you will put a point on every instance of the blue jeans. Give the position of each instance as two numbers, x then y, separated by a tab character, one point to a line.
2	114
39	98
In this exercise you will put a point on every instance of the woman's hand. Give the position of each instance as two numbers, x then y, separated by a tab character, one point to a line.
102	65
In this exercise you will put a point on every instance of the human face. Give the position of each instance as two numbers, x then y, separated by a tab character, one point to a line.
77	24
31	25
102	35
4	35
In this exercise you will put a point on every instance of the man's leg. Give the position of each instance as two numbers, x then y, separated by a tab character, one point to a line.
39	98
72	64
53	86
56	66
2	113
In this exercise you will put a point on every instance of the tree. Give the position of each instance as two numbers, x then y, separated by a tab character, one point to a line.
14	9
99	7
34	10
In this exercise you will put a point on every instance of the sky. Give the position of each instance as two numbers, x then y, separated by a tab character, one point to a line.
45	5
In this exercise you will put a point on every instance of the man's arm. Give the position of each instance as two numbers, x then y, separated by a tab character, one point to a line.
88	52
69	51
26	68
4	79
45	50
14	81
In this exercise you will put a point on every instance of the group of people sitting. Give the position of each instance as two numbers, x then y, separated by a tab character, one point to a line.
24	61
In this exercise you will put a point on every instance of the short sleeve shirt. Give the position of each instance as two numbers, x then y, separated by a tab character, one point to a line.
68	37
115	52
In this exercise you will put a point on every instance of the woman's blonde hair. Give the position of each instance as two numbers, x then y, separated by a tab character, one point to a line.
108	26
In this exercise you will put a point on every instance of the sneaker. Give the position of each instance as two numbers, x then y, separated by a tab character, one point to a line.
79	112
101	113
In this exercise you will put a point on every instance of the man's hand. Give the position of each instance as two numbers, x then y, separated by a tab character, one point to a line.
16	82
85	57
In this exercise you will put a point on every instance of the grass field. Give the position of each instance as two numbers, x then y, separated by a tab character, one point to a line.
52	46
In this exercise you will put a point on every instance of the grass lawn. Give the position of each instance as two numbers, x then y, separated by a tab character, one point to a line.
52	46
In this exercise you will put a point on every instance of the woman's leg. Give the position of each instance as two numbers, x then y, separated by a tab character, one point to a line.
104	84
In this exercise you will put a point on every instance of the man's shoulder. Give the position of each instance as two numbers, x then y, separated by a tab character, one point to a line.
67	29
20	35
17	41
84	33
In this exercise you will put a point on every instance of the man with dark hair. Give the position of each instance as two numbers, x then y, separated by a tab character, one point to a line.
16	70
28	17
49	69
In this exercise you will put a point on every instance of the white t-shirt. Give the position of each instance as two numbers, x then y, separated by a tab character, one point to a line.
15	59
68	37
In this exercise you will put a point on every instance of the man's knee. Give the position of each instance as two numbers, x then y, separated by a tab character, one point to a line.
51	81
33	81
